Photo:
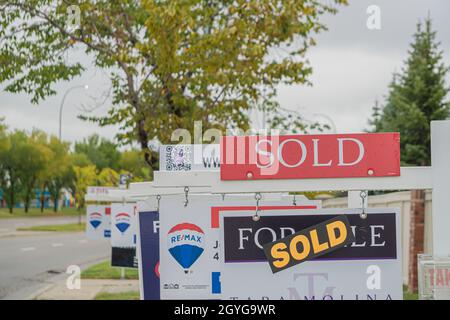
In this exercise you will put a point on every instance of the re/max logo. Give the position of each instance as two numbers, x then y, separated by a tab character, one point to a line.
187	236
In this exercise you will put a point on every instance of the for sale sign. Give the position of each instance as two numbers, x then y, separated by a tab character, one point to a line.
368	268
98	222
123	235
310	156
189	241
148	251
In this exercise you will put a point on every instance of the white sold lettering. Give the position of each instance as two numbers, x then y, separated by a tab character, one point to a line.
341	152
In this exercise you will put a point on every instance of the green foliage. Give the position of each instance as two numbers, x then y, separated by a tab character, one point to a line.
34	160
60	173
416	97
100	152
11	166
169	62
84	177
108	178
133	163
80	159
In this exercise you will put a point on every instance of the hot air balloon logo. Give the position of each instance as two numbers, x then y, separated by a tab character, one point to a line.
186	242
122	221
95	219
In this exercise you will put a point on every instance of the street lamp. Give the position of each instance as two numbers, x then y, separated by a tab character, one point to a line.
85	86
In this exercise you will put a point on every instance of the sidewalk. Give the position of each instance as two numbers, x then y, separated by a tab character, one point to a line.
89	289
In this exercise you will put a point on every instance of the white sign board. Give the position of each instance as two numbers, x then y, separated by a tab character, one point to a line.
123	235
98	222
368	269
189	241
187	157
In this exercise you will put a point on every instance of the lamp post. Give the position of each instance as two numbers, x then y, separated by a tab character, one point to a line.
85	86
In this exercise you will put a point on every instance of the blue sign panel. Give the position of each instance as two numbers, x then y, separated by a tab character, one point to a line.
149	254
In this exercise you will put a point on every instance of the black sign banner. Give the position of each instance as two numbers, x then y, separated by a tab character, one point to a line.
244	238
309	243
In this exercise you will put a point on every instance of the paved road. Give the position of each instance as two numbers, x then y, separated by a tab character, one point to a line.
31	262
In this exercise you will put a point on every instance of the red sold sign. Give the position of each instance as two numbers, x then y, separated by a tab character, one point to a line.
310	156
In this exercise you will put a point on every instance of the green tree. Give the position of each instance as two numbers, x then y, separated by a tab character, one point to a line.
60	173
131	162
169	62
11	164
4	147
80	159
84	177
108	178
416	97
100	152
34	160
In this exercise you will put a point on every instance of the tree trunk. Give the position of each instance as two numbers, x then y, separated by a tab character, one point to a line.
11	197
416	241
55	200
42	198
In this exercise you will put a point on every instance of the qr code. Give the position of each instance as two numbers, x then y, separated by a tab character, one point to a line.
178	158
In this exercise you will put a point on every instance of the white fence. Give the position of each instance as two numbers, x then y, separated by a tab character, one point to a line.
400	200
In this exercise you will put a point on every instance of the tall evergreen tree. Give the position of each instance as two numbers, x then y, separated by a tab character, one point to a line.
417	95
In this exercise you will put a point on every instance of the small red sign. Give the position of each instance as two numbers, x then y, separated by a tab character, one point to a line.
310	156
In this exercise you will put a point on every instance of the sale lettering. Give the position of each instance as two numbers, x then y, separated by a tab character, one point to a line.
374	237
310	156
309	243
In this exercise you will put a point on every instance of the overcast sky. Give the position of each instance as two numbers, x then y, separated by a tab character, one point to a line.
352	67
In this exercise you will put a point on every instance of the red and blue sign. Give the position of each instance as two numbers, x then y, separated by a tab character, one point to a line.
186	243
95	219
123	221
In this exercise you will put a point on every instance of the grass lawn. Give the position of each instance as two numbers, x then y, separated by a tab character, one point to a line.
103	270
69	227
130	295
36	212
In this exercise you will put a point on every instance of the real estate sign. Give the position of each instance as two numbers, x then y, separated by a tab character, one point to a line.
190	244
310	156
123	235
367	269
148	251
98	222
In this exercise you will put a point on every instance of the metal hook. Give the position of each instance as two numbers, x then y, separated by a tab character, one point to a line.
223	196
186	192
363	196
256	216
294	202
158	198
